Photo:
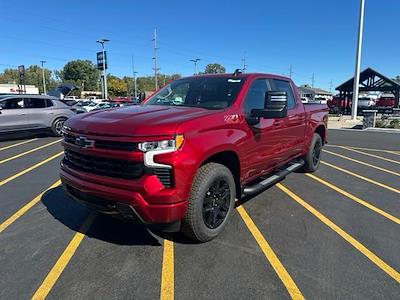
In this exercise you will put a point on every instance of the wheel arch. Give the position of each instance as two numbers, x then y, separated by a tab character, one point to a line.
229	159
321	130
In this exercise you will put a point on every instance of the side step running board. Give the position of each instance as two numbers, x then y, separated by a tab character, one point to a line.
272	179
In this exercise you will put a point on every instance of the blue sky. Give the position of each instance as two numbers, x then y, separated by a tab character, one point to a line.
314	36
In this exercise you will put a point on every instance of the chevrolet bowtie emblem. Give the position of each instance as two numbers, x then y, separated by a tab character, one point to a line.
83	142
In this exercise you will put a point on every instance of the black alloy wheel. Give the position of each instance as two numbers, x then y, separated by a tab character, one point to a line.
216	203
316	153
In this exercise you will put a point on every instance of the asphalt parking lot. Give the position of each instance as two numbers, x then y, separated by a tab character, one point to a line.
330	235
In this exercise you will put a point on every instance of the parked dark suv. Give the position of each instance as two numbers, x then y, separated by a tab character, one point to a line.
32	113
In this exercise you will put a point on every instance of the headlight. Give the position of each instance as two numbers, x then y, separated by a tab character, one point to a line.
64	129
164	145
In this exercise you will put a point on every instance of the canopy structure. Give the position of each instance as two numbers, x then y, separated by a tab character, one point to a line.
371	81
62	90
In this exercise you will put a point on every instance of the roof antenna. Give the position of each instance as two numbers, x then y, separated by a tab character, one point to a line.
237	72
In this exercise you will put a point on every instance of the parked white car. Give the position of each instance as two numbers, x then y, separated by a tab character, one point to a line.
320	100
365	102
96	106
94	99
84	104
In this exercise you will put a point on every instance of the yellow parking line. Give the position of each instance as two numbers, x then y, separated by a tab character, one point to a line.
167	272
52	277
356	199
17	144
368	149
362	177
28	152
352	241
3	182
362	163
271	256
372	155
26	207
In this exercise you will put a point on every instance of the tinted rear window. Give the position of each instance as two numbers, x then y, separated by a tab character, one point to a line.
35	103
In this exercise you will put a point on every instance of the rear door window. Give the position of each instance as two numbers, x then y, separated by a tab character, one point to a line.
284	86
49	103
35	103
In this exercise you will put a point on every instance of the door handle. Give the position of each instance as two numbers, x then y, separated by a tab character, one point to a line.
277	123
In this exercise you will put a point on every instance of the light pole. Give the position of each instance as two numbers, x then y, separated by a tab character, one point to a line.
156	69
358	62
134	78
44	79
102	42
195	61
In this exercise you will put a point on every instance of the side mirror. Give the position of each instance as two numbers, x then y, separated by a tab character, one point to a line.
275	106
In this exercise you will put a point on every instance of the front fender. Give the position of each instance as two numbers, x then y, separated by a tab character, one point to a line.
197	148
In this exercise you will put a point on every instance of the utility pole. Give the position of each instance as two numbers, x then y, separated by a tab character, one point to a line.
330	85
44	79
244	69
290	72
155	58
312	80
195	61
358	61
102	42
134	78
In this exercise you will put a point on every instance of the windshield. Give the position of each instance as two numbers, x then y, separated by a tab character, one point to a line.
205	92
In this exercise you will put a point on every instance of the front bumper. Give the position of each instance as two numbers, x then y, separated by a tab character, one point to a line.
127	203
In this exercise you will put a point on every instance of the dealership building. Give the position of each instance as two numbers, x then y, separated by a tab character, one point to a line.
12	88
312	93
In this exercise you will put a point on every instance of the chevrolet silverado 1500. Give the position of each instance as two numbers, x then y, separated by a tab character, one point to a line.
184	156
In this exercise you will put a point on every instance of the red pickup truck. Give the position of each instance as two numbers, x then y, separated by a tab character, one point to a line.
184	156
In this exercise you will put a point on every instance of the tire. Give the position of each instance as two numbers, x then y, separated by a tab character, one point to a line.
57	126
211	202
313	157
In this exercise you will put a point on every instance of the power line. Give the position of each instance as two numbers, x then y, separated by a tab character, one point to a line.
290	72
312	80
244	69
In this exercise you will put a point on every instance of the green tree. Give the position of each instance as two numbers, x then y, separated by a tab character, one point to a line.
33	76
9	76
80	72
116	86
214	69
397	79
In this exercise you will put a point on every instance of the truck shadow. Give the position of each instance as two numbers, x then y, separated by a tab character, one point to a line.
109	229
105	228
23	135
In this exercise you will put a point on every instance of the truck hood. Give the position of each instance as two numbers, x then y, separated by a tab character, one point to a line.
133	121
